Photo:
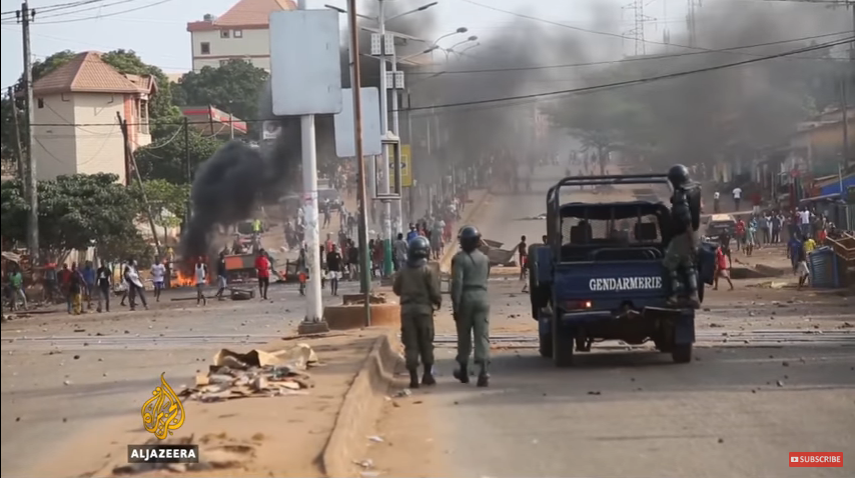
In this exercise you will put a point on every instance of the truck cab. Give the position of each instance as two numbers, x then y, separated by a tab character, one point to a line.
600	275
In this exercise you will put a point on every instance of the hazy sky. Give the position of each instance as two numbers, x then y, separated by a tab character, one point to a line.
158	34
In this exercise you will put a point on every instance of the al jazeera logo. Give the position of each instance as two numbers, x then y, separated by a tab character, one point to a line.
161	415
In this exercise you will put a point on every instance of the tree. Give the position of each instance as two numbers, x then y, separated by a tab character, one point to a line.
168	201
75	212
166	159
233	87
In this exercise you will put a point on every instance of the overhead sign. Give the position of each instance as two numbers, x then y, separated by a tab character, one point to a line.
406	168
345	133
305	62
618	284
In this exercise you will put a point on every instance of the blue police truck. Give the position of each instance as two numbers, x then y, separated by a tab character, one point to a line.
600	274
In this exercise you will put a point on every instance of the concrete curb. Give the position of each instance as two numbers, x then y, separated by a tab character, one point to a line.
445	261
361	409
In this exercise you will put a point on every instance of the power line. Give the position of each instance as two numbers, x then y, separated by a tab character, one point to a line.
633	59
529	96
597	32
633	82
106	15
96	7
57	7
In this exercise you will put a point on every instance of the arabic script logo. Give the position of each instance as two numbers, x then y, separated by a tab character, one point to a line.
163	412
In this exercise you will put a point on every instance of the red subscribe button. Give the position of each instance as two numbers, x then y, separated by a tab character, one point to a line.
816	460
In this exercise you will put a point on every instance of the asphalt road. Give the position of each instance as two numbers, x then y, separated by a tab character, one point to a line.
774	372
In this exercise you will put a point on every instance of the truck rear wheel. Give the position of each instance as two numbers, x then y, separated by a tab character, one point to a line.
681	353
562	347
545	348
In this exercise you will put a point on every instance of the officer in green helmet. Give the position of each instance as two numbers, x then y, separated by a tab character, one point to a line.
418	287
470	270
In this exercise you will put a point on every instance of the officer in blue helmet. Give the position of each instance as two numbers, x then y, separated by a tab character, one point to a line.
417	284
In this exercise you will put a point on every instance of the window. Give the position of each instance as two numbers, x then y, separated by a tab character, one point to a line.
237	33
41	102
206	48
224	33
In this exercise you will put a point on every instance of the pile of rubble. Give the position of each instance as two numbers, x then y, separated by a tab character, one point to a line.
255	374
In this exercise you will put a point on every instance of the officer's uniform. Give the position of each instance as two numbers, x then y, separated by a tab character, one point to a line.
418	286
681	253
470	271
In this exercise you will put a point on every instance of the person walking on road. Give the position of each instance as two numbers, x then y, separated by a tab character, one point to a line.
522	252
222	283
737	198
334	266
201	276
262	269
418	286
105	278
470	271
158	273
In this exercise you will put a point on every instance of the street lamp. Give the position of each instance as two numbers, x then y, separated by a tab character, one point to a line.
384	118
471	39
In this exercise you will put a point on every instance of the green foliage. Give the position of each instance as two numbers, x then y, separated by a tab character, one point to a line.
233	87
165	159
75	212
168	201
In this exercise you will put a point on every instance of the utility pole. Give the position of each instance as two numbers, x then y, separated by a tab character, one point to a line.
356	87
844	109
129	159
399	204
384	128
691	22
22	169
25	16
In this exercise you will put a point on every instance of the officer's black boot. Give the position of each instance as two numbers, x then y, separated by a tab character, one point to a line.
414	377
462	374
483	377
427	377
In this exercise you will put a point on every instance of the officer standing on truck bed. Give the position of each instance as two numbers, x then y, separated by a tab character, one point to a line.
470	270
680	256
418	286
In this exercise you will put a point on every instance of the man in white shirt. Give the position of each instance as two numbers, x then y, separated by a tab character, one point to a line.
804	222
201	276
737	197
716	198
158	272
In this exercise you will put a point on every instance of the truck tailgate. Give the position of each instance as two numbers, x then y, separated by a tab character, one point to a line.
608	284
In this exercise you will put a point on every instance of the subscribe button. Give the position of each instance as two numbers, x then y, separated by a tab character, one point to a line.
817	459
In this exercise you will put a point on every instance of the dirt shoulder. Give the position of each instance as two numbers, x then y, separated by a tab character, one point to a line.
281	436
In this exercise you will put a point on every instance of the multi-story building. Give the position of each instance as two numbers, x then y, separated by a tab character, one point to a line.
242	33
76	127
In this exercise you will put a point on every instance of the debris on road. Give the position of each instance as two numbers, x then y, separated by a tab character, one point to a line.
255	374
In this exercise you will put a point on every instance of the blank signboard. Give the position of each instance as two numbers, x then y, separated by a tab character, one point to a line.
305	68
345	134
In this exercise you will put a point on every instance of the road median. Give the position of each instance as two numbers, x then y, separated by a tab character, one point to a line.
319	429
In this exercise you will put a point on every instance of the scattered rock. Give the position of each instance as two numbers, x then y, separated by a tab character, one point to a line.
779	383
721	440
403	393
594	392
375	439
76	357
785	363
66	382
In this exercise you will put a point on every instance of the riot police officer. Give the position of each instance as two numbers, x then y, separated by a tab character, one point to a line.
680	255
418	286
470	270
